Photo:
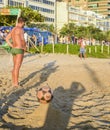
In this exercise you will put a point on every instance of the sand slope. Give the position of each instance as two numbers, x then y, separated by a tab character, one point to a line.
81	93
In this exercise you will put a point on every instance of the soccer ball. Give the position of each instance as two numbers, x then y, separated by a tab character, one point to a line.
44	94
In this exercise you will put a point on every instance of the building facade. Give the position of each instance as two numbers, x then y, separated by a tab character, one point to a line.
98	6
1	3
45	7
62	16
60	13
80	17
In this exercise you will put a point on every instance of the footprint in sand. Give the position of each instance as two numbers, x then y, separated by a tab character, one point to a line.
0	82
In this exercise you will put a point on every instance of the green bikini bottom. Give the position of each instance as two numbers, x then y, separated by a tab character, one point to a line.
15	51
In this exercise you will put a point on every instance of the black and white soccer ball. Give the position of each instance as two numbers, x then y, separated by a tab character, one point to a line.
44	94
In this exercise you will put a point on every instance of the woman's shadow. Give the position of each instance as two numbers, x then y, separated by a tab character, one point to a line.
60	108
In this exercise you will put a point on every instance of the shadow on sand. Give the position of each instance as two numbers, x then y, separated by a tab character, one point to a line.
60	109
93	76
12	97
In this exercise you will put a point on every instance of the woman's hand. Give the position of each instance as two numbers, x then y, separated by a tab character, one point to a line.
24	48
11	45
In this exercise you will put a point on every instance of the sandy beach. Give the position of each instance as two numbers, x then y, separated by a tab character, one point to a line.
81	90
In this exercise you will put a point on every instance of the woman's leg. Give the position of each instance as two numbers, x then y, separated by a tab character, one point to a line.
17	59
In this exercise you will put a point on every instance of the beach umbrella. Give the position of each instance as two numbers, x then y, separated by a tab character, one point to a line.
6	28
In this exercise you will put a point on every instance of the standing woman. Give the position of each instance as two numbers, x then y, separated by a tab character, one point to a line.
18	46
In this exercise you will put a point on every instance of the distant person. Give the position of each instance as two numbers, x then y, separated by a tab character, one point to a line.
72	38
1	37
34	39
39	40
5	33
82	44
26	37
69	40
16	41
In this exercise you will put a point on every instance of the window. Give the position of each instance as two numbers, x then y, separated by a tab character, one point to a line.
15	3
41	9
49	19
45	1
93	0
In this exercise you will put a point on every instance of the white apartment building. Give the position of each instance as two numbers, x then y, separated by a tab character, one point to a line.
1	3
60	13
45	7
67	13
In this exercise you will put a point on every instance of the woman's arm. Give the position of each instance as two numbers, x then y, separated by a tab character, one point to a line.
8	37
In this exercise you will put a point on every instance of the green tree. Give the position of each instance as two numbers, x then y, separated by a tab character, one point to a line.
89	32
80	31
26	12
43	26
67	29
107	36
7	20
31	16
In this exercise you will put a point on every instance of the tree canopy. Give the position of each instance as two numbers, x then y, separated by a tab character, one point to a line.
44	26
26	12
89	32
